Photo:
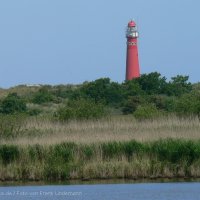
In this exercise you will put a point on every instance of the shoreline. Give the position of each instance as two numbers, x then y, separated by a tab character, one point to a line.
19	183
133	160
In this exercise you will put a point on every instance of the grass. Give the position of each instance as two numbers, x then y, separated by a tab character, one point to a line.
117	147
44	131
129	159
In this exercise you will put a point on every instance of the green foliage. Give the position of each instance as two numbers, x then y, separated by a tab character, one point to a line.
63	152
132	104
68	160
59	161
175	150
170	150
81	109
178	86
36	152
88	152
42	96
163	102
133	147
188	104
111	149
8	153
148	111
177	96
101	90
13	104
63	91
132	88
152	83
116	149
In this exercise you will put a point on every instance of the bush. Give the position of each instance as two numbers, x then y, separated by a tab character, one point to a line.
163	102
42	96
188	104
178	86
152	83
132	103
148	111
13	104
100	90
81	109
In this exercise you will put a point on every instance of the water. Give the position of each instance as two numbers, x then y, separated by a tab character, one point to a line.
139	191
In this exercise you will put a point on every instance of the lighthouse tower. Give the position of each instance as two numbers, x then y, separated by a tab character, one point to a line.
132	61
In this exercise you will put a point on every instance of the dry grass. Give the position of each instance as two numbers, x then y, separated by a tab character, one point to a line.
42	151
21	90
123	128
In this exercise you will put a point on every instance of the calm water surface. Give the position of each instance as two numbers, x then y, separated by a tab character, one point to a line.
140	191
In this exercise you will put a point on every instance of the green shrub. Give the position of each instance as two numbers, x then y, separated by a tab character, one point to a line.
42	96
148	111
63	91
188	104
13	104
132	103
178	86
152	83
81	109
101	90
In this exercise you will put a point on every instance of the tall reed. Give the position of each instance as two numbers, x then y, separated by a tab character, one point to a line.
44	131
126	159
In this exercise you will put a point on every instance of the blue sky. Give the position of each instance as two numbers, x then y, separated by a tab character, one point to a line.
72	41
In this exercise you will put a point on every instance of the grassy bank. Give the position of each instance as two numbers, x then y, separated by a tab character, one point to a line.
38	148
127	159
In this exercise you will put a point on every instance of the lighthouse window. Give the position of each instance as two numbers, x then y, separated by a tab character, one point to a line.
132	43
132	29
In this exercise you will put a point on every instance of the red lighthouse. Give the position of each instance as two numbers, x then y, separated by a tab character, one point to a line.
132	61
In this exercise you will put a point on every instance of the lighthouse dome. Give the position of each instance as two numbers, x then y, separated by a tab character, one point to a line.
131	24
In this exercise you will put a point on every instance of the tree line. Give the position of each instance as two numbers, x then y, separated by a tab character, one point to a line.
149	96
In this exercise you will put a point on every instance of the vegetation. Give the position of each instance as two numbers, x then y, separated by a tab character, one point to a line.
42	96
163	158
39	130
148	111
13	104
176	96
80	109
11	125
101	129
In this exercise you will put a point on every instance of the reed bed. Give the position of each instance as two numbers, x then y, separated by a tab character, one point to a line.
166	158
117	147
45	131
